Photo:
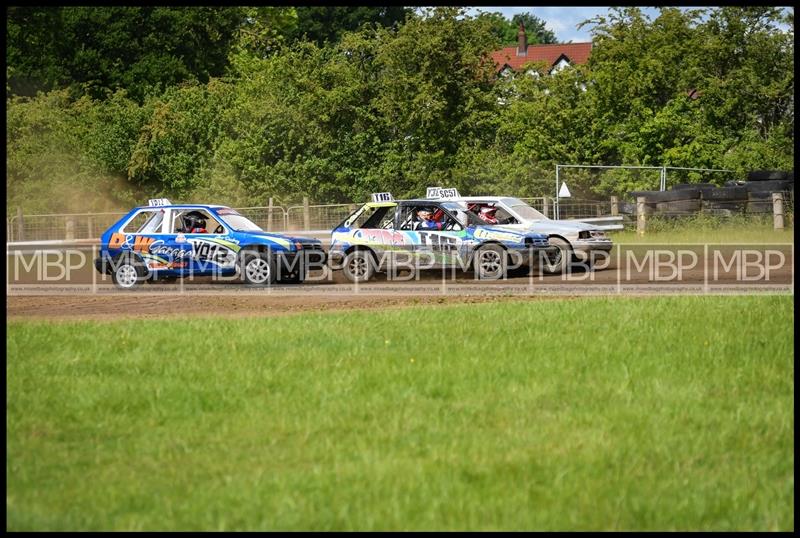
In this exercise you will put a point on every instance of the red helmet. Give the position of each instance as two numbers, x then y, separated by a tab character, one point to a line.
487	214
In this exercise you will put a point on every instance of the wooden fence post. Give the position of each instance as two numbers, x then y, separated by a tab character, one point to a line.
641	221
306	214
269	215
545	209
777	210
70	228
20	225
614	206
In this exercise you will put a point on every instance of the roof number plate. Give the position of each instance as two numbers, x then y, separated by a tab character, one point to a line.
382	197
436	193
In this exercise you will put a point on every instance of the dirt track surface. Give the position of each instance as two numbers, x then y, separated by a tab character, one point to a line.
87	295
110	307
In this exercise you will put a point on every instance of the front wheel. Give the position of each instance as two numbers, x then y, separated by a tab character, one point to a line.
491	262
257	268
358	266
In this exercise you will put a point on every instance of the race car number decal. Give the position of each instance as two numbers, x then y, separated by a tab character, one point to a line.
438	241
212	252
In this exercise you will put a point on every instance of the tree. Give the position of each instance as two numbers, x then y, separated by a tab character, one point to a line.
97	49
327	24
535	29
506	31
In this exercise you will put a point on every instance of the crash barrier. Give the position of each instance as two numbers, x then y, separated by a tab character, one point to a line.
729	201
272	218
745	197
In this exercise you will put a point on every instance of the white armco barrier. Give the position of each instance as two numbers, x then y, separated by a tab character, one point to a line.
594	220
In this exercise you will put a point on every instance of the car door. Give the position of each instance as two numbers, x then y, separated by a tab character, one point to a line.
171	252
440	247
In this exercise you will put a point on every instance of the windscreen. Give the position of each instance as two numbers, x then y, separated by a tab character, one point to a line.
238	222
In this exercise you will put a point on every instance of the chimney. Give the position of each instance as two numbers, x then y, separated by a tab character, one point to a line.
522	41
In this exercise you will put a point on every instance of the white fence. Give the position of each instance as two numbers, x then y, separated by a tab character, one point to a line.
273	218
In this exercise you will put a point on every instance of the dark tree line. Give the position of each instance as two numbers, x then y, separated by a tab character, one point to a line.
259	104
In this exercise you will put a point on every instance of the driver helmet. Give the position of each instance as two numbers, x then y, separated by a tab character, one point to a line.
193	220
488	215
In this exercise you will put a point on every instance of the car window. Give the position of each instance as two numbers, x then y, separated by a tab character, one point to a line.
373	217
145	221
410	217
526	212
179	225
377	217
504	217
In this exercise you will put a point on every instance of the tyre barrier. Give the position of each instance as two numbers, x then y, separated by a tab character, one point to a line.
655	197
767	175
769	186
682	186
734	199
726	194
679	206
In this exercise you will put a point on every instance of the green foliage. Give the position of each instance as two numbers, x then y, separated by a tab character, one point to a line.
179	139
535	29
507	31
94	49
326	24
384	107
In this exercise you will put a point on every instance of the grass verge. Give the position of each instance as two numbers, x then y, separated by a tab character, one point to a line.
651	414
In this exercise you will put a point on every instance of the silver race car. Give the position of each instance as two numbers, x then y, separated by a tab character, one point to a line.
576	240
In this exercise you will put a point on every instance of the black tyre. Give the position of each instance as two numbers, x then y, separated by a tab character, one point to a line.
556	262
679	206
769	186
765	175
490	262
684	186
729	206
655	197
727	194
359	266
256	268
128	272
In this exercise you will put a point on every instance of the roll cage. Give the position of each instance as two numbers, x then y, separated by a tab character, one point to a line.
404	215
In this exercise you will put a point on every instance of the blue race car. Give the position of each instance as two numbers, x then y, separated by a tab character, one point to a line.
428	233
164	241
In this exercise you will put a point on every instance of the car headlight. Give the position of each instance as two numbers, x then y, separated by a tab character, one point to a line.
592	234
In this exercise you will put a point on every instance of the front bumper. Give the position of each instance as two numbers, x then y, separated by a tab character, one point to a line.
583	248
295	265
532	254
103	264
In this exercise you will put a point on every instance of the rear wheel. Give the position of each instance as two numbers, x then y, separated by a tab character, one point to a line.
358	266
556	261
128	272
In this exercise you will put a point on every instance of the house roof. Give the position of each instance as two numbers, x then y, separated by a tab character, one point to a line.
576	53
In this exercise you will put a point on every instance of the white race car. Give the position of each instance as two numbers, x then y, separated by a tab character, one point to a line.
578	240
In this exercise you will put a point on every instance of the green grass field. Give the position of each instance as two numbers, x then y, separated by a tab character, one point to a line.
707	229
637	413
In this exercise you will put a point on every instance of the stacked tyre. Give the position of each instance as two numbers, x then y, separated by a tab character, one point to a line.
759	193
683	201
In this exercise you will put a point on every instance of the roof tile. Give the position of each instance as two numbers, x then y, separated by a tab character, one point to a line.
577	53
